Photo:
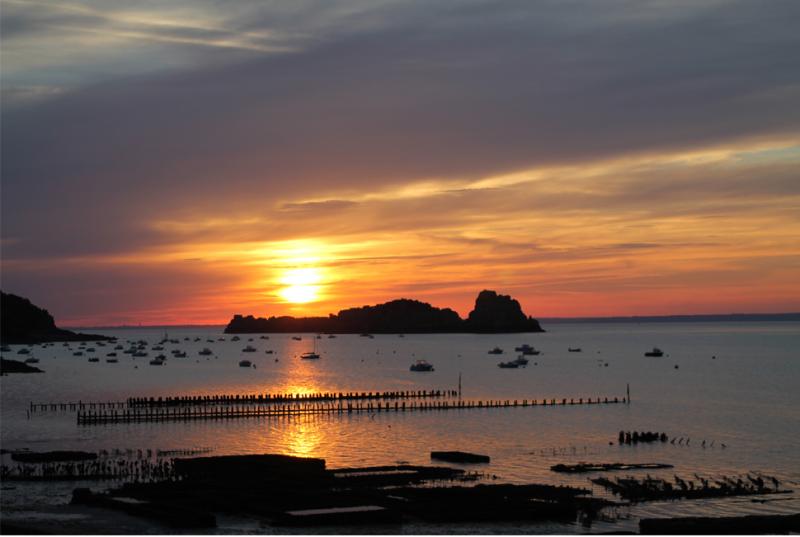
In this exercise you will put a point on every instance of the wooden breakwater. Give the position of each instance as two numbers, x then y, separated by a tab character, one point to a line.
270	398
239	399
299	408
76	405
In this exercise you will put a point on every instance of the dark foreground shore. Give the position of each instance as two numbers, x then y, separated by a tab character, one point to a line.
284	494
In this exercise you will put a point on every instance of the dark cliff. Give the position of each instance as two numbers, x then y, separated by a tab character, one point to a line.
499	313
23	322
492	313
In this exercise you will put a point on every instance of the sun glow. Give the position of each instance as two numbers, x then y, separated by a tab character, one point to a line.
301	285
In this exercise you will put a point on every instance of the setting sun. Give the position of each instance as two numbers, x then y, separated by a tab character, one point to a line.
301	285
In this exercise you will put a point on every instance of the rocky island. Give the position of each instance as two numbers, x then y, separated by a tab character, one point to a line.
493	313
21	322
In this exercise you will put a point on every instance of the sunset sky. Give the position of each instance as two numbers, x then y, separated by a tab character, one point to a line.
179	162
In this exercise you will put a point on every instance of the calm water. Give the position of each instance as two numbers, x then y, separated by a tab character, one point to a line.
746	398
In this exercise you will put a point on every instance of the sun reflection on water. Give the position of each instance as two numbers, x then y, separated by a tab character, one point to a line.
303	438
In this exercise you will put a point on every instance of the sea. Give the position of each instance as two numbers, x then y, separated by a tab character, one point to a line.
729	391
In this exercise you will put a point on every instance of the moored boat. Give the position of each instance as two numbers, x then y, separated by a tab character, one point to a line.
656	352
421	365
496	350
508	365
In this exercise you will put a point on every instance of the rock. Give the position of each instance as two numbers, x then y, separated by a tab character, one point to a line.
460	456
499	313
14	366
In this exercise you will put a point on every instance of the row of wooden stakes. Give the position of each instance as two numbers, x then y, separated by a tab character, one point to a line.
305	408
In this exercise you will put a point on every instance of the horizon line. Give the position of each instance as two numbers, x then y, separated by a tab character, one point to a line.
541	319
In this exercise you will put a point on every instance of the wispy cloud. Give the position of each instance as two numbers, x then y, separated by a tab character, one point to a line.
566	151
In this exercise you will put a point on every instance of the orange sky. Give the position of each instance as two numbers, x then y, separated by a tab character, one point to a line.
178	163
566	241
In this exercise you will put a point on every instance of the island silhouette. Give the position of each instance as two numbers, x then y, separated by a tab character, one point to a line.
493	313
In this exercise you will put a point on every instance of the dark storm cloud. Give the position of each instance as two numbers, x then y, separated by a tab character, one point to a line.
446	91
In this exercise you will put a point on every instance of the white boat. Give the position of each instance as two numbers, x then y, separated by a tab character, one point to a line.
421	365
249	348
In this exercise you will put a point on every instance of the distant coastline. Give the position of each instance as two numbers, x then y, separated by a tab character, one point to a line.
701	318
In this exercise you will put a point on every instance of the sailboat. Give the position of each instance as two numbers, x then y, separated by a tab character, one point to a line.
311	355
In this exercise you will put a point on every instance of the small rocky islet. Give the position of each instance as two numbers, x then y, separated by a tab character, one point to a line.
493	313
